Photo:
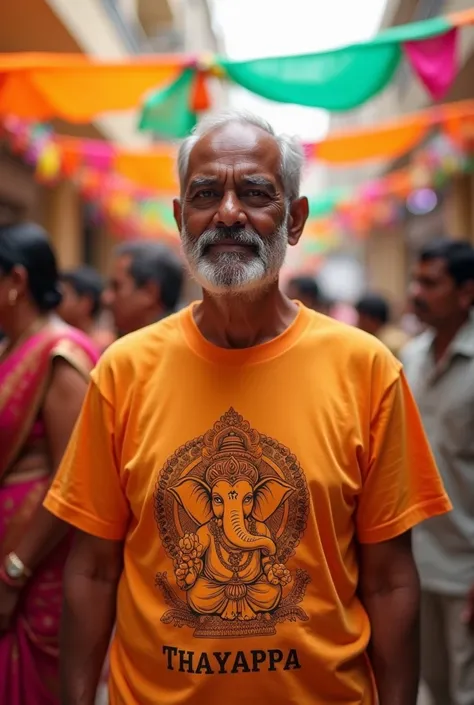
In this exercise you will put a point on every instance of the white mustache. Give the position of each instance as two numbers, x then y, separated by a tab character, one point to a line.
242	236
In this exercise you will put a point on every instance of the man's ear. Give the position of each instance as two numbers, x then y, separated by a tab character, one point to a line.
177	212
299	211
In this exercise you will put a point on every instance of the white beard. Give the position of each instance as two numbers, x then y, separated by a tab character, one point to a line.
235	273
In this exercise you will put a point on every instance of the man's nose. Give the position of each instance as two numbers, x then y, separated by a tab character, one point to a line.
230	212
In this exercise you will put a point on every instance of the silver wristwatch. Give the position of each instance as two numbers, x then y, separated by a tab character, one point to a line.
15	568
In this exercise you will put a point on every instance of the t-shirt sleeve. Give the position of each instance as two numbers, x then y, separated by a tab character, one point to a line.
87	491
401	485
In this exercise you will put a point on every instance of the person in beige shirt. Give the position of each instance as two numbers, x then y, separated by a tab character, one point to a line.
439	366
373	316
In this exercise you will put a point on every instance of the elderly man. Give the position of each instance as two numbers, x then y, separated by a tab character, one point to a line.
244	475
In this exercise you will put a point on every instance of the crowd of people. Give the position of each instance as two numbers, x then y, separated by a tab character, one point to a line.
56	326
242	487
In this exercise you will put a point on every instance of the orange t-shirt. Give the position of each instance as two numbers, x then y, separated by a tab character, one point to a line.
239	481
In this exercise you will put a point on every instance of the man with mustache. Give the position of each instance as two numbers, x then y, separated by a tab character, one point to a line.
245	474
440	369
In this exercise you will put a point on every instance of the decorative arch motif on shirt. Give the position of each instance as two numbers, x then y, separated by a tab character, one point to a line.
231	508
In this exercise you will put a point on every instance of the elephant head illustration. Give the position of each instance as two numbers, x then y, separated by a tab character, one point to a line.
233	492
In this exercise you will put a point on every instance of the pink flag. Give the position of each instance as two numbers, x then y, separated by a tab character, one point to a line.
435	61
97	155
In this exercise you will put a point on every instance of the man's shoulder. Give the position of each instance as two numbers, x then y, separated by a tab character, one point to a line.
345	340
142	347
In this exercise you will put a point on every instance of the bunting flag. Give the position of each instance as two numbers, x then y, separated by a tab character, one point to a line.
128	209
168	113
155	168
344	78
143	183
343	213
77	88
134	189
392	139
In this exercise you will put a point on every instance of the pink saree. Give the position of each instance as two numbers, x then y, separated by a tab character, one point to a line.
29	653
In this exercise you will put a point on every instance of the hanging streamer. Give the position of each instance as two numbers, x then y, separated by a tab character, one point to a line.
168	112
78	89
434	60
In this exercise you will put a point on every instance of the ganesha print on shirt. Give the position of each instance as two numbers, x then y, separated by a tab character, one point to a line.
231	507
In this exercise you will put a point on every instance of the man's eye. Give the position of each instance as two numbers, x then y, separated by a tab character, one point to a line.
255	193
206	194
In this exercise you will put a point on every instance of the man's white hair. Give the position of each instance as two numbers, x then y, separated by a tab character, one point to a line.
291	151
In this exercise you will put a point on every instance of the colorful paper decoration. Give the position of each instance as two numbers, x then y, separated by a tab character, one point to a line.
345	78
381	203
391	139
168	113
128	209
435	62
155	168
77	88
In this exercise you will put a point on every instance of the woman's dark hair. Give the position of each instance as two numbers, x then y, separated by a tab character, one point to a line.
26	244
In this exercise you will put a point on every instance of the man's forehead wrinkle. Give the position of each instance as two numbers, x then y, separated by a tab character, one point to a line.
247	136
222	144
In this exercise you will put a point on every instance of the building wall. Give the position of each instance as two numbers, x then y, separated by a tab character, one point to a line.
62	219
386	259
19	198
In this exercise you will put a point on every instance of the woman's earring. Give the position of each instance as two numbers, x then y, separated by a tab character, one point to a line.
12	297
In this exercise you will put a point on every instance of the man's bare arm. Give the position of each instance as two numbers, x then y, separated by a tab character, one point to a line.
390	591
90	586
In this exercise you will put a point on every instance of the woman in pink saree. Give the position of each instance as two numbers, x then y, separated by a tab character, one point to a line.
44	367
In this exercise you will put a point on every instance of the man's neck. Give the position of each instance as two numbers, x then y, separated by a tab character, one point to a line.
444	335
242	321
